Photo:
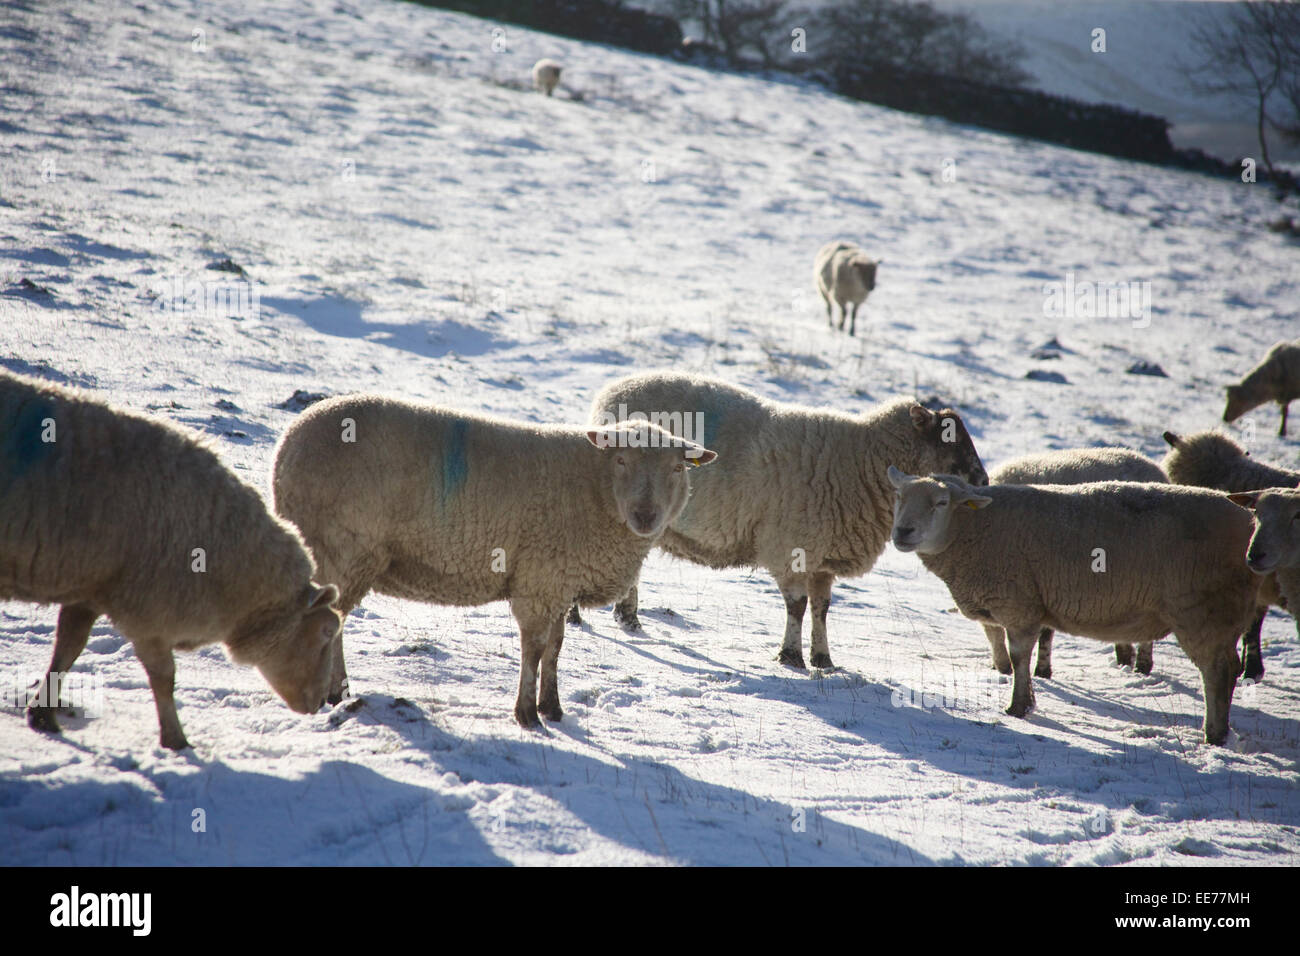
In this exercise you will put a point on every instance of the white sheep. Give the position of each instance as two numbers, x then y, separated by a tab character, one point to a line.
1213	460
798	491
1075	466
1275	379
105	512
844	275
438	505
546	75
1120	562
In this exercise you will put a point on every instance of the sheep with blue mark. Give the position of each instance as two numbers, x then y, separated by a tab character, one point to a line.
447	507
801	492
103	511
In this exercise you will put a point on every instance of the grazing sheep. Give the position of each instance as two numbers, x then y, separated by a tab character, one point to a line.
1116	561
105	512
546	75
798	491
1275	379
437	505
1213	460
1076	466
846	275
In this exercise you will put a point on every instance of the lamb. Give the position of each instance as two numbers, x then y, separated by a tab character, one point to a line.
846	275
438	505
1275	379
1212	460
1116	561
546	75
106	512
799	491
1075	466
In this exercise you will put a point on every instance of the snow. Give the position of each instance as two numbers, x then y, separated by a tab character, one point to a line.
415	221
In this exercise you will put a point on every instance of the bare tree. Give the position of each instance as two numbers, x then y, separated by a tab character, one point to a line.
1253	51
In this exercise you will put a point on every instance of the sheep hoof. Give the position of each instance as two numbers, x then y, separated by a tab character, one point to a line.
527	717
1002	668
551	710
1254	669
1042	670
627	619
822	660
573	616
177	742
42	719
1019	710
1143	667
792	659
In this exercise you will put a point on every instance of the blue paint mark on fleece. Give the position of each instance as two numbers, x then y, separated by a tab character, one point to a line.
21	447
455	467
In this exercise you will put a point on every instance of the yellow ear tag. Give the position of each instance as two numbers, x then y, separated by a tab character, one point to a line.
971	505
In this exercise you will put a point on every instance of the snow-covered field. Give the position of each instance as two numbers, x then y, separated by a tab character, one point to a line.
413	221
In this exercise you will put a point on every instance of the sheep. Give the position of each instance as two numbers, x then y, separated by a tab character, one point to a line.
1275	379
438	505
1275	545
1119	562
1076	466
1213	460
799	491
846	275
106	512
546	75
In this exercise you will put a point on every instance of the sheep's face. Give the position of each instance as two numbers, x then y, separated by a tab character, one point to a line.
1238	404
923	509
952	452
299	667
1276	541
648	467
866	272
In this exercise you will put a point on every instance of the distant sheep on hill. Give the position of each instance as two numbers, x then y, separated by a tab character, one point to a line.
546	75
845	275
1275	379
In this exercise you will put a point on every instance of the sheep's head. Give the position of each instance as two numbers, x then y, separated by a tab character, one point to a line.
1238	403
649	468
1205	458
950	448
1276	541
923	509
299	663
866	269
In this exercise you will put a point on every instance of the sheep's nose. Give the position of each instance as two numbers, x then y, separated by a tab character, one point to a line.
1259	561
645	518
903	535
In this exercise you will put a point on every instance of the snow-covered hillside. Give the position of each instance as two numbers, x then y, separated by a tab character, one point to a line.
412	220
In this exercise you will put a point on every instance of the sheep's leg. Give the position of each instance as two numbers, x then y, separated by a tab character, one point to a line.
1144	657
819	595
574	616
533	638
853	323
75	622
625	611
548	701
1251	652
1124	655
796	602
844	314
1282	431
161	668
1020	645
1044	666
998	645
830	321
1215	656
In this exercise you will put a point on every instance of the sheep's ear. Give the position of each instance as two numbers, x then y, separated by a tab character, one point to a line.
899	478
601	438
972	501
322	597
922	417
1172	439
699	455
1246	499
